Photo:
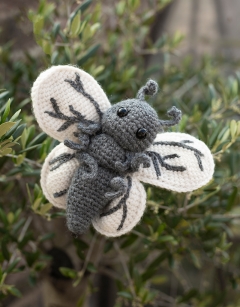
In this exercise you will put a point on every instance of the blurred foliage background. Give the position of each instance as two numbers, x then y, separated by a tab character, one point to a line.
185	252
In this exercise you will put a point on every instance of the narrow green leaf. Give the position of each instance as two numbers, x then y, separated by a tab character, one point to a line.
75	26
12	265
232	198
125	294
38	23
4	249
90	52
36	204
81	8
15	116
39	139
12	129
14	291
7	110
67	272
233	128
5	127
30	148
45	208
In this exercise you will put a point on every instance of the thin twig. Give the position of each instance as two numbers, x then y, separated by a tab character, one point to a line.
26	160
138	234
110	273
89	253
196	203
186	87
25	228
125	268
215	216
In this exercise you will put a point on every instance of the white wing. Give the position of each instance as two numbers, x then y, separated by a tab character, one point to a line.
180	162
56	177
52	84
127	215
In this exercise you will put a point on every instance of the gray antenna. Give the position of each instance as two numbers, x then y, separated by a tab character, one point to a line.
176	116
150	89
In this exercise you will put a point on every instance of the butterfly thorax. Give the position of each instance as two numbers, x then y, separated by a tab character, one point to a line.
105	150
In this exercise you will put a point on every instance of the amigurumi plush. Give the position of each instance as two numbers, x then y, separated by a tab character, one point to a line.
106	150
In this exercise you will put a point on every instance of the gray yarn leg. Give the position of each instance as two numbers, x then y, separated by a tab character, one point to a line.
89	165
138	159
123	167
90	129
119	186
74	145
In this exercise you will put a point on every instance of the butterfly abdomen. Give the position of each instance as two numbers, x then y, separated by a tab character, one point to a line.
86	198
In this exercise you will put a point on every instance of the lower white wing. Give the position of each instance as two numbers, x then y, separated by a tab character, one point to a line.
180	162
57	173
122	214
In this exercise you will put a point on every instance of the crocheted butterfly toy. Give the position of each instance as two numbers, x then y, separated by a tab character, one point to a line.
106	151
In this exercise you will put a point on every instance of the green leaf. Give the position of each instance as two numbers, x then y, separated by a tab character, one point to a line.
36	204
129	241
141	256
12	129
5	127
39	139
155	263
91	268
90	52
212	91
15	116
81	9
12	265
5	152
3	217
7	110
20	159
18	132
195	259
14	291
67	272
47	236
10	217
38	24
120	7
4	248
232	199
125	294
45	208
30	148
233	128
46	46
225	136
75	26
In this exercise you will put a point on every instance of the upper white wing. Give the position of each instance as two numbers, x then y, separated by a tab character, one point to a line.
180	162
52	84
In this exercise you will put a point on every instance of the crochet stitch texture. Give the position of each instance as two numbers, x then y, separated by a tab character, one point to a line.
107	150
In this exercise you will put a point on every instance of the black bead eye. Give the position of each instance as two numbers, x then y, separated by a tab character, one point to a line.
141	133
122	112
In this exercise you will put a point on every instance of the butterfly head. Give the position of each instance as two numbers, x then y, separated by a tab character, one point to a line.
133	123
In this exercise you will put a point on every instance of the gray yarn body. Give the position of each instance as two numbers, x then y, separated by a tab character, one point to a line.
86	198
108	150
98	181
